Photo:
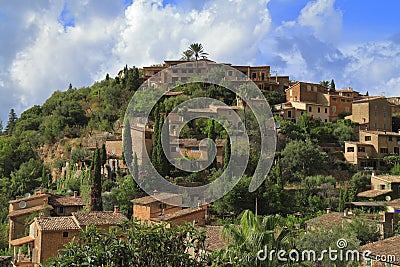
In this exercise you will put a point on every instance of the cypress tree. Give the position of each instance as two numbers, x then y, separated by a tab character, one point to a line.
227	152
164	139
95	197
154	151
212	135
135	167
332	85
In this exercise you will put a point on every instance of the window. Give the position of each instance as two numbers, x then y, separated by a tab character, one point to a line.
174	149
309	109
347	109
384	114
375	125
174	79
384	150
382	187
396	150
230	73
334	109
61	210
326	120
189	65
190	70
230	112
65	234
390	138
319	110
315	88
350	149
333	99
163	206
183	70
361	149
375	113
368	138
326	110
254	76
384	126
195	149
289	113
309	88
175	71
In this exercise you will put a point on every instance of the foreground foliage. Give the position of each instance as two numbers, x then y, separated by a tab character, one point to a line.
135	244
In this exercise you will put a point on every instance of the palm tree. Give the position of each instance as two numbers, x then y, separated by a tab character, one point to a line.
255	234
187	55
198	50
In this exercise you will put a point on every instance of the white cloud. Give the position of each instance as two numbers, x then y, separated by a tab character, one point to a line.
323	18
230	30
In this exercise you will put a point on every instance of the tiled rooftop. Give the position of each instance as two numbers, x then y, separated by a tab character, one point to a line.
99	218
38	196
388	178
29	210
151	199
373	193
66	201
180	213
57	223
389	246
327	220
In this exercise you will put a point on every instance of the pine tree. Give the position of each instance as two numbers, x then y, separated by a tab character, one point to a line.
12	119
95	196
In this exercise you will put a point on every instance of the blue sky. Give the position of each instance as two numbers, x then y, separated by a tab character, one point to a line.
45	44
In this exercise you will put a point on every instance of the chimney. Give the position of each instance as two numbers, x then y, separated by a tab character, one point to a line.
116	209
328	210
346	213
41	215
75	194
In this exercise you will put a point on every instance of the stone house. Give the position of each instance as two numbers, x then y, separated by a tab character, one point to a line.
196	151
166	207
382	186
371	148
374	113
49	234
260	75
21	209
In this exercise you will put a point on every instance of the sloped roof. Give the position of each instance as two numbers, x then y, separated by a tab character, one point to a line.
99	218
389	246
327	220
151	199
388	178
180	213
373	193
66	201
57	223
29	210
29	198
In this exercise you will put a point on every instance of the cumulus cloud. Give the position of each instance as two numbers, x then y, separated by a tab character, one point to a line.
230	30
323	18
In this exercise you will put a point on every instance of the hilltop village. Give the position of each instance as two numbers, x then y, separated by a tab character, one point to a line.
68	198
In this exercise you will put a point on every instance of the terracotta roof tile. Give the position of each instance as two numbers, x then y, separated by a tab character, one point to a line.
99	218
28	198
327	220
151	199
373	193
57	223
66	201
29	210
180	213
386	247
388	178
